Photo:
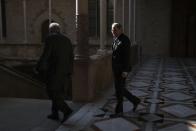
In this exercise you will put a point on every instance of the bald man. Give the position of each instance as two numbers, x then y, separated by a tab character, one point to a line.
121	67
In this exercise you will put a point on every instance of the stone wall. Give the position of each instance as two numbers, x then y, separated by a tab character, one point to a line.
91	76
153	26
16	85
20	51
63	12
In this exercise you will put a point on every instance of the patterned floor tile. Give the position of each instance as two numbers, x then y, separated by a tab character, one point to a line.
179	110
138	93
179	127
175	86
117	124
147	72
175	79
139	84
127	107
177	96
152	117
147	75
155	101
173	73
144	79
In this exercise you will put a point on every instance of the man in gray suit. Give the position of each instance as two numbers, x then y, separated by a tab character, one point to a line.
56	65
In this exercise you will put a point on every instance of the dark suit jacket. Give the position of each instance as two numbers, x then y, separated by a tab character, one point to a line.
121	54
56	62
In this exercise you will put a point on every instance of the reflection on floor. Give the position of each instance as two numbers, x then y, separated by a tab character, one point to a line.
167	89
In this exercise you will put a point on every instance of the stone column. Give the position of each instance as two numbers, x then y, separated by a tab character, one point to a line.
82	29
50	11
125	9
103	27
118	11
134	19
25	21
123	14
115	8
1	30
130	18
81	90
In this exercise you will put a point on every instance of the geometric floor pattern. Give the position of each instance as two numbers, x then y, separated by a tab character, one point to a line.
167	89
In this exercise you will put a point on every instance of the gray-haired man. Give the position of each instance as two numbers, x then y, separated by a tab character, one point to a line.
56	65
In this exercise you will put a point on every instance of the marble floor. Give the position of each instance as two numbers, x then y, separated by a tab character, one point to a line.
167	89
166	86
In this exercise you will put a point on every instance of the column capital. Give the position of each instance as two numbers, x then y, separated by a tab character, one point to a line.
81	7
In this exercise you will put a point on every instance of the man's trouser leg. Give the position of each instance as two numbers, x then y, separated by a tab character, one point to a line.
61	104
118	81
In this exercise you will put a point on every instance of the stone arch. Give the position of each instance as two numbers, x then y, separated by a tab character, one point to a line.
41	21
44	29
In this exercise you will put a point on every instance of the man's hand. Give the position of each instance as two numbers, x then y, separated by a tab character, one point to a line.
124	74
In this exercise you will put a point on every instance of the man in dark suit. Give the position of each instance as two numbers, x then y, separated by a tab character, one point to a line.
56	65
121	67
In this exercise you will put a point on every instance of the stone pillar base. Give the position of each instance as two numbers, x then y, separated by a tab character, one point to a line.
81	90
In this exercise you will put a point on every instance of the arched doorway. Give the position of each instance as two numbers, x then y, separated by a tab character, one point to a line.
45	30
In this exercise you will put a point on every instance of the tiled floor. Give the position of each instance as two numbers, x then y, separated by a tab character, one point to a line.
166	87
18	114
168	91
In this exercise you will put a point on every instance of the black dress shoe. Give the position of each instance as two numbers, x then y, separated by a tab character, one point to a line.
116	115
136	104
67	115
119	108
53	117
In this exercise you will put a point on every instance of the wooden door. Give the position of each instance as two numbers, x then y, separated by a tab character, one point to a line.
183	42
